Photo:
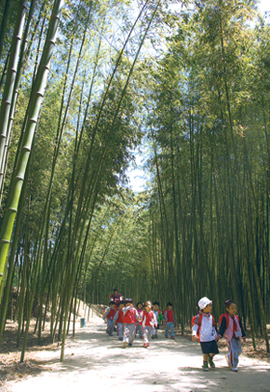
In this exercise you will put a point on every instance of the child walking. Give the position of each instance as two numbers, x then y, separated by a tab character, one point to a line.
148	323
130	318
230	327
110	313
139	323
204	330
119	319
159	319
170	320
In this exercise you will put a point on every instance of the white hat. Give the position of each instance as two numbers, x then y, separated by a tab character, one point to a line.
204	302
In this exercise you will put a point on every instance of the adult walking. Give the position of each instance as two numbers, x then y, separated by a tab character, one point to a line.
116	296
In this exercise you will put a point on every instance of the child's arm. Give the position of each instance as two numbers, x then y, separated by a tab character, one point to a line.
126	309
165	315
137	315
194	332
242	330
107	311
214	328
222	328
116	316
155	320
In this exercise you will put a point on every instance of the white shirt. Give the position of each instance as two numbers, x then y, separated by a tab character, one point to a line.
207	331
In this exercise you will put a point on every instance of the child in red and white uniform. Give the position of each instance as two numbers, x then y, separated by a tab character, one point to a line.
116	297
110	313
139	323
130	320
119	319
168	315
159	319
148	323
204	330
230	327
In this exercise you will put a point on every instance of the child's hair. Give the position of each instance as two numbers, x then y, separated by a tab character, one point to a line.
115	289
228	303
139	304
121	303
128	301
169	304
156	303
147	303
111	303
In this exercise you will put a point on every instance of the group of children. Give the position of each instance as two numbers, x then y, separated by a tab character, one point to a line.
146	318
229	326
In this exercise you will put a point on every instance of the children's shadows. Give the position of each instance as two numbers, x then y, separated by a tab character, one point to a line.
169	365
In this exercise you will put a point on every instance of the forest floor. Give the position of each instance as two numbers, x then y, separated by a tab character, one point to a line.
93	360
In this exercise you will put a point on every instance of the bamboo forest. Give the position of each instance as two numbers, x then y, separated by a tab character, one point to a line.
86	88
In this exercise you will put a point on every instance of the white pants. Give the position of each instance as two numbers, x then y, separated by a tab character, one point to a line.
110	326
235	350
129	333
147	333
120	330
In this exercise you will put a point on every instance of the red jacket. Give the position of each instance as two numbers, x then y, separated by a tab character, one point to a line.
111	314
169	316
116	298
140	313
120	317
130	316
148	318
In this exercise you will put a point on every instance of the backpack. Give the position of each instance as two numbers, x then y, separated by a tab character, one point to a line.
198	320
226	315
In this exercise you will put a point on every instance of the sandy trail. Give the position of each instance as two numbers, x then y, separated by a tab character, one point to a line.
94	360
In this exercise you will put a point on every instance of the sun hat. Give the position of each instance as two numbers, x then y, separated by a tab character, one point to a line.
204	301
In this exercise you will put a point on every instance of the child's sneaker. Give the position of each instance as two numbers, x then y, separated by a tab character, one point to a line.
166	336
121	339
146	345
205	366
172	337
211	362
234	369
130	345
153	336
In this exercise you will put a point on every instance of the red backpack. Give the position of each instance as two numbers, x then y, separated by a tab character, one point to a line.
226	315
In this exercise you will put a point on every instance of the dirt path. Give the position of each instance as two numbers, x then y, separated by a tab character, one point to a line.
94	360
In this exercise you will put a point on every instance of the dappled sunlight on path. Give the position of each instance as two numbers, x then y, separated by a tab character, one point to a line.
94	360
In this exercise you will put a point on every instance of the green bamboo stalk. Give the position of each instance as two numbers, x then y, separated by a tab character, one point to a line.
23	287
4	73
4	25
3	162
46	213
12	254
10	78
34	110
